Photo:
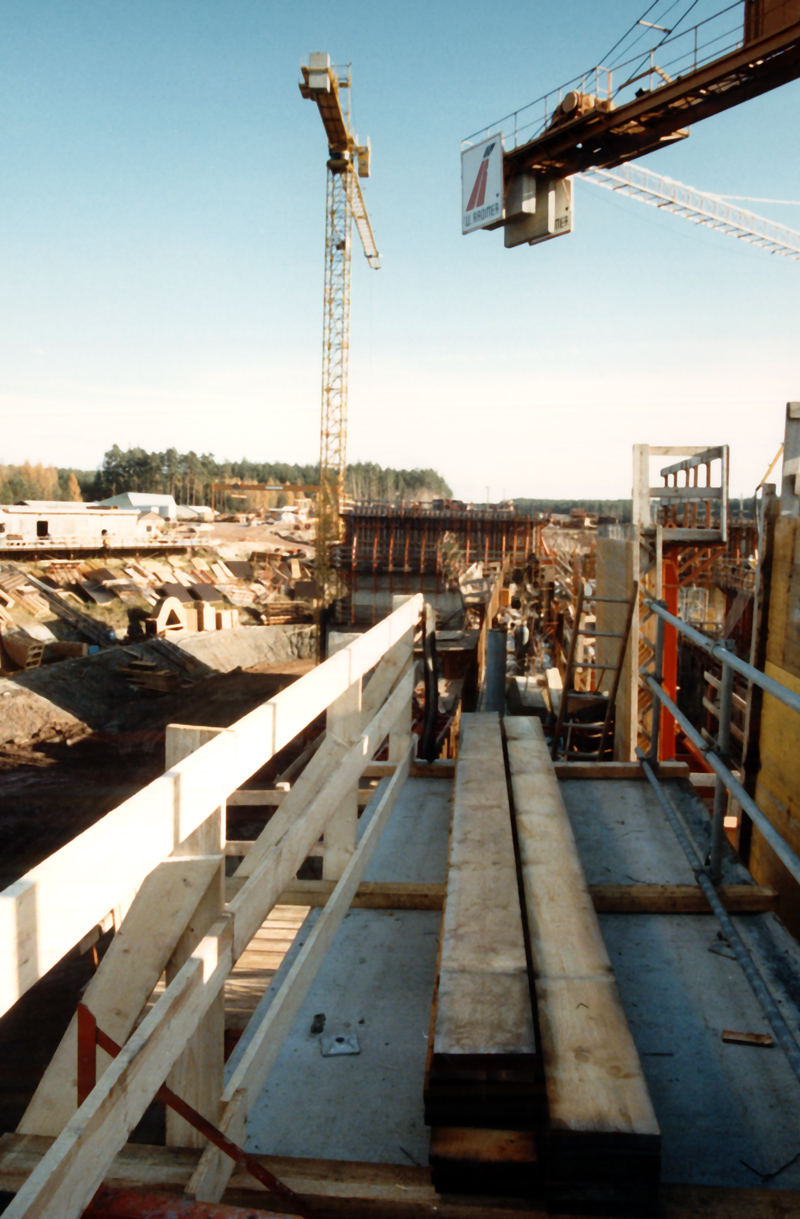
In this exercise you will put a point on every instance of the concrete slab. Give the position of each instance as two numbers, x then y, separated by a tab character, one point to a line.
728	1113
250	645
377	982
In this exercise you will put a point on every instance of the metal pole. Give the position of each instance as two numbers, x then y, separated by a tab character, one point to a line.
720	790
781	848
780	1028
782	693
658	675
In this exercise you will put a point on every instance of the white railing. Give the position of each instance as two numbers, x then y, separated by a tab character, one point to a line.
164	843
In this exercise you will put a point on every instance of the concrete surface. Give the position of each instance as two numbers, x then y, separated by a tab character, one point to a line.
377	981
728	1113
251	645
720	1106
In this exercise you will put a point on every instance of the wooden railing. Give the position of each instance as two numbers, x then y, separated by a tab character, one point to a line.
162	854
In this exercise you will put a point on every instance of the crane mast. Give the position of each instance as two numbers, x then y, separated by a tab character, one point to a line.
347	162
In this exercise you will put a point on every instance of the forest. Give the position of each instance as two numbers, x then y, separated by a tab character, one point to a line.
39	482
188	477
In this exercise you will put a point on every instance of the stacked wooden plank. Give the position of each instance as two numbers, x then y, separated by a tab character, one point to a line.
603	1144
483	1066
147	676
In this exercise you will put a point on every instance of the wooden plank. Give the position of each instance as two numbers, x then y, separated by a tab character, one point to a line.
214	1169
272	798
371	894
131	967
278	864
327	758
441	768
758	1039
400	737
197	1076
617	770
46	912
269	1033
604	1138
68	1175
343	724
467	1160
71	1171
351	1189
484	1010
680	899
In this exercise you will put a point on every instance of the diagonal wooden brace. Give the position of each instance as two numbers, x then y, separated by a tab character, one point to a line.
90	1036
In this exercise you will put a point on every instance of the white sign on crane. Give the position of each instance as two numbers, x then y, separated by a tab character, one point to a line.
482	185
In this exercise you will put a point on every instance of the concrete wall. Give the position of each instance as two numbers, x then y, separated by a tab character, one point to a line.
617	568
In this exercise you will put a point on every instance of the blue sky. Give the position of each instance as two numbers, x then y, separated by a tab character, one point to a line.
162	226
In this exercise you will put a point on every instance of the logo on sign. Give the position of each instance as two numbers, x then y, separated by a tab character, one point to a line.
482	184
478	195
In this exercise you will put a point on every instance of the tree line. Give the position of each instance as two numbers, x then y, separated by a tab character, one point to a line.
189	476
38	482
620	509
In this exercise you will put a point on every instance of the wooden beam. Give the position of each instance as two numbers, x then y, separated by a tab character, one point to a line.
400	737
272	798
269	1032
278	865
604	1138
680	899
350	1189
442	768
484	1007
73	1168
343	724
606	899
197	1076
617	770
46	912
124	981
370	895
327	758
68	1175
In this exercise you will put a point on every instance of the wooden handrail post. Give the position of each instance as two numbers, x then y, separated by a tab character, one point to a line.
198	1074
343	724
400	735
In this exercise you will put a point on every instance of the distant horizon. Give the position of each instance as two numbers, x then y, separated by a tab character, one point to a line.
163	201
558	495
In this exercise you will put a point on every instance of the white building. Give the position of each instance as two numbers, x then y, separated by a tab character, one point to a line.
143	501
195	512
58	519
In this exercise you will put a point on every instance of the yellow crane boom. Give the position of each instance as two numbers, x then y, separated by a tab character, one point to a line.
347	162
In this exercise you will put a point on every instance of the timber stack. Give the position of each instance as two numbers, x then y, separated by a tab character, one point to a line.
566	1110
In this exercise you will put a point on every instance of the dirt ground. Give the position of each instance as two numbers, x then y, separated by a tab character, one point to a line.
54	787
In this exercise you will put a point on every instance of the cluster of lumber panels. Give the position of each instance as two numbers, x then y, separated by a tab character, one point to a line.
533	1078
484	1072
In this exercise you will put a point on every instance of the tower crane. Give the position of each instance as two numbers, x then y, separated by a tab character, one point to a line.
516	172
348	161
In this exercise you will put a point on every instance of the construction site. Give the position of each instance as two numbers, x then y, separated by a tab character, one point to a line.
396	858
